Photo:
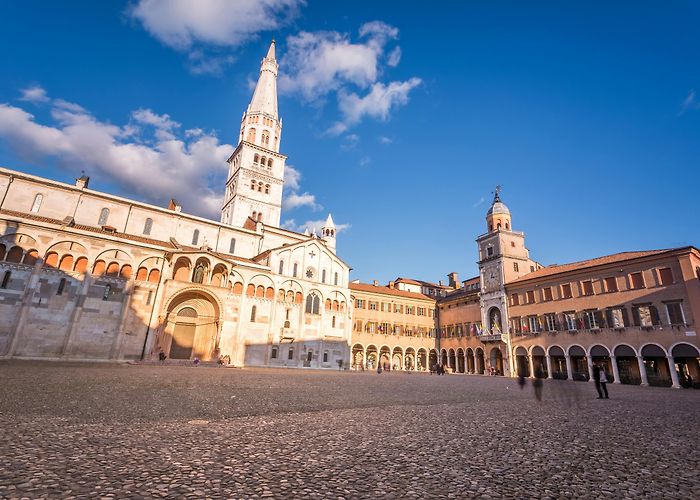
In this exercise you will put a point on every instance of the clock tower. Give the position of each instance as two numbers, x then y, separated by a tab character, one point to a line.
502	259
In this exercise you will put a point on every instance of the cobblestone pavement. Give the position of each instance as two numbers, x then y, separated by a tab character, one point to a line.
77	430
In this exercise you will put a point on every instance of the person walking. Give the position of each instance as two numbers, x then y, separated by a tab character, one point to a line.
537	383
604	382
596	380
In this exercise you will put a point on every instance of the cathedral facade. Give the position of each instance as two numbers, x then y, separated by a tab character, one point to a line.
88	275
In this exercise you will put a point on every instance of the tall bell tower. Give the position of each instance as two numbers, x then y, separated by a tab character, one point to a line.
256	168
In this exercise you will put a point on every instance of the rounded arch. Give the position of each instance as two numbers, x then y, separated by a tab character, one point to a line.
68	246
576	350
192	291
521	351
114	254
201	271
30	257
219	275
537	350
15	254
21	240
66	262
598	350
494	316
81	264
624	350
555	350
684	350
181	269
653	349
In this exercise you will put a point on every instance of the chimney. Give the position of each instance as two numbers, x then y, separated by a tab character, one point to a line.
375	283
82	182
453	280
174	205
440	282
391	284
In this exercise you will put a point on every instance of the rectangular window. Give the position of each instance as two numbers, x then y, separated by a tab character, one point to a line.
570	318
359	303
666	276
273	355
591	319
514	299
675	313
421	311
107	291
372	306
290	353
550	321
530	297
430	313
515	267
325	357
616	317
532	320
587	287
646	315
489	251
547	293
566	291
410	309
611	284
517	325
637	281
398	308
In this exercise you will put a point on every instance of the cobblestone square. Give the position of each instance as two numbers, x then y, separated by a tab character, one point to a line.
105	430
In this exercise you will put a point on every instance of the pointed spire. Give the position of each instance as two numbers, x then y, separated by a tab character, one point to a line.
271	51
329	222
265	95
497	194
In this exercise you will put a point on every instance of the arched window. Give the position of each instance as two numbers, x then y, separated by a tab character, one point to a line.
61	286
266	137
263	161
259	219
498	226
273	354
147	226
290	353
253	312
267	189
232	246
256	159
309	304
252	184
323	276
37	202
276	140
198	276
333	322
5	280
104	215
255	215
507	226
281	270
335	279
295	269
195	236
269	163
260	186
15	255
251	135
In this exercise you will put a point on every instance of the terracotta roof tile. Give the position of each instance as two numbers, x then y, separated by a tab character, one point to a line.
598	261
366	287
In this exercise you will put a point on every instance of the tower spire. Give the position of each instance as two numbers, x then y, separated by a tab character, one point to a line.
265	95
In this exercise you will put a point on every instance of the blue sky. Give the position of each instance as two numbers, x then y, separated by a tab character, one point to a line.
400	120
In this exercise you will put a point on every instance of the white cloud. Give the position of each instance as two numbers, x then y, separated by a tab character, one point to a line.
394	57
321	62
365	160
376	104
150	169
689	103
180	24
291	198
350	142
202	63
385	140
295	200
35	94
292	177
479	202
311	225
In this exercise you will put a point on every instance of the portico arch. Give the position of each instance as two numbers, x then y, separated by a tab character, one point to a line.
480	361
496	360
685	359
358	357
191	326
522	362
460	360
627	364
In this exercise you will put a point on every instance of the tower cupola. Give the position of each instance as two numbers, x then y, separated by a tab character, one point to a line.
328	232
498	216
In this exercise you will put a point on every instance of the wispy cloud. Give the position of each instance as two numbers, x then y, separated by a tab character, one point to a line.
689	103
364	161
291	198
35	94
202	28
350	142
385	140
150	163
479	202
311	226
